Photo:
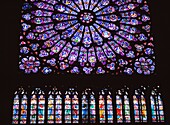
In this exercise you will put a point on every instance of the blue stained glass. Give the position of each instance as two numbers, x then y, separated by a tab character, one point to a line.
157	110
102	109
139	103
109	109
58	102
51	109
88	106
37	107
92	109
123	106
20	105
127	109
41	109
119	110
16	103
24	101
86	36
105	106
71	106
84	109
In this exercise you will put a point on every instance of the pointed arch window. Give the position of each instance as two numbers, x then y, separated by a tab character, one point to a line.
24	102
54	106
109	108
37	107
139	102
157	106
105	106
71	106
92	109
102	112
88	106
123	106
85	108
119	110
58	108
20	107
15	109
51	108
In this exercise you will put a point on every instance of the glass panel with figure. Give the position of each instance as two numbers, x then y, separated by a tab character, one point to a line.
84	109
109	109
88	106
41	109
67	109
58	112
119	110
102	109
37	107
92	109
50	108
16	103
20	104
143	107
33	109
139	104
157	106
24	104
75	109
71	106
127	109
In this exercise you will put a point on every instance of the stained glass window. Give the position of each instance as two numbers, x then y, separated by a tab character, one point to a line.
71	106
15	109
24	103
123	106
139	102
119	110
20	107
109	108
126	109
157	106
58	102
105	106
92	109
54	107
86	36
51	105
102	112
88	106
85	108
33	112
41	109
37	107
67	109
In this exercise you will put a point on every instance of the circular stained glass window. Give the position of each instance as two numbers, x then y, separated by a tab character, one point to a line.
86	37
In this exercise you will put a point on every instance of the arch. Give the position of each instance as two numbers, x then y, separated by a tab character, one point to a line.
139	102
20	107
24	105
37	107
54	106
157	110
123	106
105	106
71	106
88	106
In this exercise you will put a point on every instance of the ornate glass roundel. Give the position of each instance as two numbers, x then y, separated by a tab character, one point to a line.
86	37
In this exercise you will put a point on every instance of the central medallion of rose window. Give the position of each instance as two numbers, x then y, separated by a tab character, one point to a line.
86	17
